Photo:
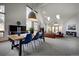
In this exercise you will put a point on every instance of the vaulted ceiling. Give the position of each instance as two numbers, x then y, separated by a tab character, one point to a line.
66	11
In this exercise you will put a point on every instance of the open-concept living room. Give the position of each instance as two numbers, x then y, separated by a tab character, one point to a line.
39	29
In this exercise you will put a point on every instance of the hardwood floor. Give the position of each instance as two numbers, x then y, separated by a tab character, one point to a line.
2	39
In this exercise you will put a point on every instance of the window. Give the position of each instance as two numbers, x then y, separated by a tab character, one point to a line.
29	22
2	19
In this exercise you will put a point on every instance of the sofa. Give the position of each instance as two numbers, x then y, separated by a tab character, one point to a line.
53	35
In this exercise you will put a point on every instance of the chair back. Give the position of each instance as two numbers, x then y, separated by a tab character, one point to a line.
28	37
40	34
36	36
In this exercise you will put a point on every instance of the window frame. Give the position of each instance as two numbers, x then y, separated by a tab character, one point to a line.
3	13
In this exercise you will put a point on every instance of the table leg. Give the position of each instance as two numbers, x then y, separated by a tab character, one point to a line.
20	48
12	45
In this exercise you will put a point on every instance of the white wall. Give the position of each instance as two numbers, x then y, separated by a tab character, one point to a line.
40	20
64	23
14	12
74	20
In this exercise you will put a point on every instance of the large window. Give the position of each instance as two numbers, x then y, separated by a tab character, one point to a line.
29	22
2	20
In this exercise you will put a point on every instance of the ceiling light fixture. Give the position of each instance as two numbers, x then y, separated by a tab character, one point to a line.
58	16
32	16
48	18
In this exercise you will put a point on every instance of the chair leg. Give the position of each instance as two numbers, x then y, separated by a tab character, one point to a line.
39	44
39	41
32	46
23	49
35	44
42	41
27	45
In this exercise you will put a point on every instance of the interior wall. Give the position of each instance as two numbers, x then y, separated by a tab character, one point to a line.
64	23
40	19
14	13
74	20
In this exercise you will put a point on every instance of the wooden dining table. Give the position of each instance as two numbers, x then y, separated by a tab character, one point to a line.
13	38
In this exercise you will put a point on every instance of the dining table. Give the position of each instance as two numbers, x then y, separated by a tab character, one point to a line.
15	37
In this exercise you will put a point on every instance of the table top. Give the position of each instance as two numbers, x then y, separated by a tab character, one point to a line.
15	37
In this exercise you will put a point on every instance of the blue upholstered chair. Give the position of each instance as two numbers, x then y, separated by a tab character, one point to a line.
37	38
27	40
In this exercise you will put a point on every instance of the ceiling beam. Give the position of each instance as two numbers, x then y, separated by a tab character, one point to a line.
32	9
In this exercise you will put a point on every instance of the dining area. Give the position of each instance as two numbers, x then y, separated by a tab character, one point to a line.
19	40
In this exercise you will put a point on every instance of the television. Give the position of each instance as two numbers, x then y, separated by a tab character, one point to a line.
13	29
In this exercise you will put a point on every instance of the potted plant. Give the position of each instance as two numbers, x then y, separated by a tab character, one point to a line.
32	30
18	23
18	28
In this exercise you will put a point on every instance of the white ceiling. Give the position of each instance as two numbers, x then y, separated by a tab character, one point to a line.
65	10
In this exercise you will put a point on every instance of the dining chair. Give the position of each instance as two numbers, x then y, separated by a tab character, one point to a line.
27	40
37	39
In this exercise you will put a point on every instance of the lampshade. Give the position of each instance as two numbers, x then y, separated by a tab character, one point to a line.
32	16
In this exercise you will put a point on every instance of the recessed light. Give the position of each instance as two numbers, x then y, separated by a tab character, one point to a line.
58	16
48	18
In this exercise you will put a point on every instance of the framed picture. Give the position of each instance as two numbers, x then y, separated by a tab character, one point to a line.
72	27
